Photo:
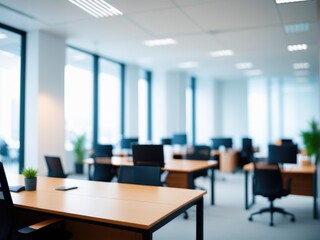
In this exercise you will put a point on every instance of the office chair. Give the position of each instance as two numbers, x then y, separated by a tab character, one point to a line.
4	150
102	172
55	168
142	175
267	182
166	141
103	150
246	153
9	224
199	152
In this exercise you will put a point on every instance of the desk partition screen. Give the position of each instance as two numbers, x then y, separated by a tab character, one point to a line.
217	142
282	154
148	155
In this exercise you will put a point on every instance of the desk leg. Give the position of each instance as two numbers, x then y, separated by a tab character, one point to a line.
147	235
246	194
212	186
89	171
246	190
199	223
315	196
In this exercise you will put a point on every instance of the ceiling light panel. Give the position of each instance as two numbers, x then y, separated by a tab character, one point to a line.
188	65
97	8
254	72
160	42
297	47
244	65
303	65
222	53
289	1
296	28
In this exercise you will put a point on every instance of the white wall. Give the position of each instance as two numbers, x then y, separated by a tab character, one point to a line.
131	101
231	115
205	109
44	99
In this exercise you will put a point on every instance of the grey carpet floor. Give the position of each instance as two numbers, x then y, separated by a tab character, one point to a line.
228	220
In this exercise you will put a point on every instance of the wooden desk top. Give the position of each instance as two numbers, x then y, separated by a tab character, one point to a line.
122	204
174	165
288	168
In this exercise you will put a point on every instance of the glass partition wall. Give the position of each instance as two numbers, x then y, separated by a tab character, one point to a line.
12	77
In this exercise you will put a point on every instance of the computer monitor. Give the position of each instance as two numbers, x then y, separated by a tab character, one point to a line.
148	155
126	143
217	142
282	154
286	141
179	139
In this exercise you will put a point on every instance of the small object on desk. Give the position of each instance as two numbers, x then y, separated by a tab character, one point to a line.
17	188
66	188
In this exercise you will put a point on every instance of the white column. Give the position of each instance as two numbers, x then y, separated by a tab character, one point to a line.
44	130
176	101
131	100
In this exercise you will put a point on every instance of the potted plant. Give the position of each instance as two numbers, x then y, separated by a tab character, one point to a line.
30	178
80	152
311	140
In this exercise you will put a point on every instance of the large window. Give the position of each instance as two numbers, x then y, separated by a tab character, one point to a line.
109	102
78	96
12	74
144	108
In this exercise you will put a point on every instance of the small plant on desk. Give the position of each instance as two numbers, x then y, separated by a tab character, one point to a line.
30	178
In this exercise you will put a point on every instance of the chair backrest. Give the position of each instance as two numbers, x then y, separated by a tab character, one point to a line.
148	155
142	175
6	206
246	150
55	168
179	139
283	153
198	152
103	150
102	172
267	180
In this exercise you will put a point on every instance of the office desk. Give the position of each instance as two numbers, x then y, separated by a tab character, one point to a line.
304	182
136	209
180	171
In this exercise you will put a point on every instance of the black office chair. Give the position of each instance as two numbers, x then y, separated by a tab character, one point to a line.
142	175
246	153
4	150
102	172
10	227
55	168
103	150
267	182
199	152
166	141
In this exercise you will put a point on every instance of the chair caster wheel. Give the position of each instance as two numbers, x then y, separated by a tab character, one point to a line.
250	219
293	219
185	215
271	224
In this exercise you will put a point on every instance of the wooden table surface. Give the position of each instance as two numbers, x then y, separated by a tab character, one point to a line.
288	168
121	204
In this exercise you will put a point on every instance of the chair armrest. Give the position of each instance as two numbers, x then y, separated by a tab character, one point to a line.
40	225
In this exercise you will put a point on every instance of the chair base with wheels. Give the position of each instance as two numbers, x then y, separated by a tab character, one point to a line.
272	210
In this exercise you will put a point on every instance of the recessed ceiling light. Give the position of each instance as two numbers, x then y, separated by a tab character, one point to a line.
254	72
97	8
289	1
303	65
222	53
3	36
297	47
296	28
188	64
244	65
160	42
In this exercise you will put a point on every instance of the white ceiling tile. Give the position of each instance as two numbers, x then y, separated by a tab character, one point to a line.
165	22
234	14
130	6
